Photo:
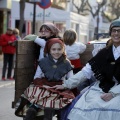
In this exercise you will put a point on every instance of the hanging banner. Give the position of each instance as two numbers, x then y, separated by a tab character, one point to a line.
44	4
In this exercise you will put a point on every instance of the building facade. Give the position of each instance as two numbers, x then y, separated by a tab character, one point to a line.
5	10
60	13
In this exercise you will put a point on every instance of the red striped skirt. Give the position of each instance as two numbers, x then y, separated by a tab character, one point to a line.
39	93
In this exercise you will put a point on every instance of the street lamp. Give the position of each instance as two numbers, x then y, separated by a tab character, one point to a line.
98	19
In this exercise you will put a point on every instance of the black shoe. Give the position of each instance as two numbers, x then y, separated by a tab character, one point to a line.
31	114
48	113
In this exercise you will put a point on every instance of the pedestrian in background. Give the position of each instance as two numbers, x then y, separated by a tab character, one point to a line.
73	49
16	33
7	41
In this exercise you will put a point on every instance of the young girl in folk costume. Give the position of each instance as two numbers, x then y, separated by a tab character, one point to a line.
54	69
73	49
102	100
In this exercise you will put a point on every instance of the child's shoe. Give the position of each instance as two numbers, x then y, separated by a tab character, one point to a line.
31	114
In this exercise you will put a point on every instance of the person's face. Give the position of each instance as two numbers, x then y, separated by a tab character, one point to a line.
45	33
15	33
56	50
10	32
115	35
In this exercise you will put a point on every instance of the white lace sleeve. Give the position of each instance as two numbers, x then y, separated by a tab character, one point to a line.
87	71
115	89
40	42
75	80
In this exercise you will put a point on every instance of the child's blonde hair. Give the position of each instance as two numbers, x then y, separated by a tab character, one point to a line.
69	36
15	31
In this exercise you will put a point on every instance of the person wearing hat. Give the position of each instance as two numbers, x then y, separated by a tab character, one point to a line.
47	31
101	101
54	69
7	41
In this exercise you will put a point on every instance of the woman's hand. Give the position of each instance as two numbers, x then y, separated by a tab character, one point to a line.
107	96
10	42
58	87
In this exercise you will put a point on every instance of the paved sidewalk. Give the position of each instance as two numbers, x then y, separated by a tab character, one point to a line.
6	82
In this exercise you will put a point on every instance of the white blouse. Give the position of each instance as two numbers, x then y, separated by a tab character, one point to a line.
40	74
41	42
73	52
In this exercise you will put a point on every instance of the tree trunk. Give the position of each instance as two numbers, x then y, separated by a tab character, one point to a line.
22	7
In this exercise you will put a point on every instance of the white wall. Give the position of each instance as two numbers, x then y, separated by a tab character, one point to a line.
5	4
70	20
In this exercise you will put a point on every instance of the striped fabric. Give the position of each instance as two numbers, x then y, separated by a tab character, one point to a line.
44	96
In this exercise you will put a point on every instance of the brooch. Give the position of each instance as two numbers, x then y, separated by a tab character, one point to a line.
54	66
112	63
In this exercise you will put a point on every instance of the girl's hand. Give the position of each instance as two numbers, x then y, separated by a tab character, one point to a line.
58	87
107	96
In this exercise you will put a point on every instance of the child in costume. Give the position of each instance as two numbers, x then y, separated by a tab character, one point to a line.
73	49
53	70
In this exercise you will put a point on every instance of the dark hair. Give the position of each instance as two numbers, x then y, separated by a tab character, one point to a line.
51	27
69	37
109	43
46	27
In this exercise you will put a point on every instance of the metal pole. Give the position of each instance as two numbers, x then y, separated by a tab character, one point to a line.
97	30
34	18
43	15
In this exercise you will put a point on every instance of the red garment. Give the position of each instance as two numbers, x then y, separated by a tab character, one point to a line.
77	63
7	48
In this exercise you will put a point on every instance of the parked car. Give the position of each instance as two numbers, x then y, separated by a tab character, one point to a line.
101	35
98	44
100	41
